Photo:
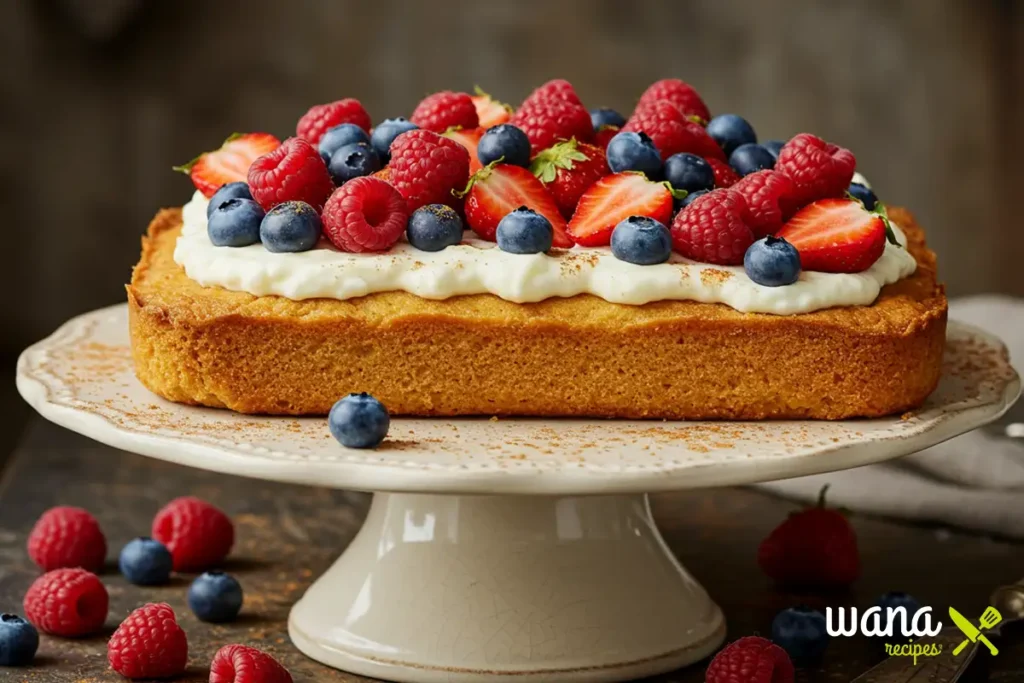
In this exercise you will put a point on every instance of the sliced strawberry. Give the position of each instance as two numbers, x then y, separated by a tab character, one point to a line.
836	236
468	138
490	111
613	199
499	189
230	163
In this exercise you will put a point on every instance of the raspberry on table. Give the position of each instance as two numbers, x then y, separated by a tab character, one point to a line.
750	660
365	214
818	169
198	534
67	537
67	602
241	664
149	644
443	110
769	198
426	167
295	171
713	229
322	117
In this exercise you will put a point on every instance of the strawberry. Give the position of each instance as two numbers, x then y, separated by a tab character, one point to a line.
613	199
497	190
490	111
679	94
604	135
444	110
230	163
836	236
568	169
468	138
672	132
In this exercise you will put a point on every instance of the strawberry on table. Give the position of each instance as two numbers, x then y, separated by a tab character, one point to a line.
836	236
499	189
817	168
568	169
613	199
210	170
489	111
468	138
444	110
672	132
322	117
679	94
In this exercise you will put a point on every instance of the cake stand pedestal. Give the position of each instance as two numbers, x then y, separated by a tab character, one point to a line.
499	550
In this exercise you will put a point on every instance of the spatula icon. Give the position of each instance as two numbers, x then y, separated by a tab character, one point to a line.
989	618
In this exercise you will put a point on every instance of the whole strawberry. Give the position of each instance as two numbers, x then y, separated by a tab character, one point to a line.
750	660
725	176
322	117
148	644
67	537
672	132
567	170
198	534
426	167
815	547
713	228
679	94
444	110
769	198
553	113
295	171
241	664
67	602
818	169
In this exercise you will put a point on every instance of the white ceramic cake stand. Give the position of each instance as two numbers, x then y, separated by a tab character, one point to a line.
498	549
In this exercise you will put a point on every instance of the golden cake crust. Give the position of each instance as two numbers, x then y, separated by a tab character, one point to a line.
581	356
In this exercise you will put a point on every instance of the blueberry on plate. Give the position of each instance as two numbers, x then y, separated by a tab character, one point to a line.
235	223
235	190
215	597
353	161
385	133
359	421
689	172
19	641
603	116
434	227
641	240
864	194
505	142
896	599
340	136
630	151
524	231
773	147
801	632
145	562
772	262
730	131
291	226
751	157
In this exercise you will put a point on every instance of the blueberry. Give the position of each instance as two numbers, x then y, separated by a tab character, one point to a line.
864	194
235	190
634	152
773	147
359	421
751	157
353	161
236	223
524	231
434	227
606	117
146	562
730	131
215	597
801	632
291	226
386	132
505	142
772	262
896	599
19	641
641	240
340	136
689	172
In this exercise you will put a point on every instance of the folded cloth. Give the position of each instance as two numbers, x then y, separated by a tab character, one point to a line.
973	481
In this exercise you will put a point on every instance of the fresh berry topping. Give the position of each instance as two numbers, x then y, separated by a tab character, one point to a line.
292	172
613	199
724	175
359	421
340	136
434	227
773	147
470	139
524	231
730	131
750	660
864	195
146	562
836	236
365	214
211	170
550	120
236	223
603	116
689	172
897	599
236	190
197	533
67	537
679	94
499	189
629	151
689	199
67	602
322	117
818	169
353	161
641	240
291	227
815	547
603	137
241	664
426	167
772	262
504	143
750	158
801	632
567	170
769	199
444	110
19	641
489	111
672	132
149	644
384	134
713	229
557	89
384	174
215	597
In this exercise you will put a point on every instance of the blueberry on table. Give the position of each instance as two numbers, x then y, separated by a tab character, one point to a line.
359	421
751	157
145	562
353	161
19	641
864	195
385	133
689	172
215	597
772	262
730	131
773	147
340	136
629	151
603	116
291	227
235	223
434	227
235	190
801	632
524	231
505	142
641	240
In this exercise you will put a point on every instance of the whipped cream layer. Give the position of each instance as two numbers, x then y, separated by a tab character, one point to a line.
479	267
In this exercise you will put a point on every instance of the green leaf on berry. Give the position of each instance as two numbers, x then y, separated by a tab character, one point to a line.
889	234
676	194
563	155
186	168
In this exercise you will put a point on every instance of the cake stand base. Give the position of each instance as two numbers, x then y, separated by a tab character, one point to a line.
486	588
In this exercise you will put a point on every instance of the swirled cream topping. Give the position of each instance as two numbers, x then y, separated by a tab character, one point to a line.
479	267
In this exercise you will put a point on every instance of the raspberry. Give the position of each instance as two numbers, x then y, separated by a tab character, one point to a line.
725	176
148	644
557	89
551	120
672	132
241	664
67	537
818	169
198	534
768	197
713	229
426	167
292	172
322	117
67	602
445	109
750	660
679	94
365	214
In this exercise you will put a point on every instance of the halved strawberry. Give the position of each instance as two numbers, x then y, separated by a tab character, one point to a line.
836	236
613	199
490	111
497	190
230	163
468	138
